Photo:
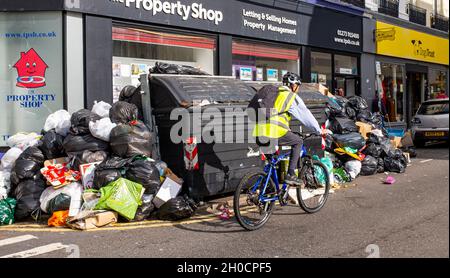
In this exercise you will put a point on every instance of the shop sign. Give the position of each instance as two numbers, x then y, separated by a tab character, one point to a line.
237	18
410	44
31	71
378	67
184	11
345	71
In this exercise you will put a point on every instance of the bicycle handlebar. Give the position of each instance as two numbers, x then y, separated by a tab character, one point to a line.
308	135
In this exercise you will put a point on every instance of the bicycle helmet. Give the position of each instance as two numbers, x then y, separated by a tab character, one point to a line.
291	79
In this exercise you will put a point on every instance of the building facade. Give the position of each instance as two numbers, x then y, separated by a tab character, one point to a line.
66	54
407	42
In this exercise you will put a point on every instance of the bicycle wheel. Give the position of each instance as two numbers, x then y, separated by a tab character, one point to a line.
250	212
313	193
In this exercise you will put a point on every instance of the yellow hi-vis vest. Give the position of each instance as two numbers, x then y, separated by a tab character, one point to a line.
278	125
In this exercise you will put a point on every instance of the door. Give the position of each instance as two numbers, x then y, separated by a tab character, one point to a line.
417	83
348	84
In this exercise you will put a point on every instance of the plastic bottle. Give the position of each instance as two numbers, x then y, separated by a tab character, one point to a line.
162	166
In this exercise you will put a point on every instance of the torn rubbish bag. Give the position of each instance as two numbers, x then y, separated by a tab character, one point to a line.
131	140
122	196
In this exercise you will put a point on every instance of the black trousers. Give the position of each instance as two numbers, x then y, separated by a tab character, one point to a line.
296	142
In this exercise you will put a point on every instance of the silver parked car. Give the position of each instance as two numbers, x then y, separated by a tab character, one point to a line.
431	122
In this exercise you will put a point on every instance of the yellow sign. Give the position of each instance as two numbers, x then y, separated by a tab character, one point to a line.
409	44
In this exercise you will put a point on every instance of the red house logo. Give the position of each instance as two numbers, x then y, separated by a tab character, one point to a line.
31	70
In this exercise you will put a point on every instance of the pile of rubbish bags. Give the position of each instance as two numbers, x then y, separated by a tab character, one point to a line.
88	170
358	144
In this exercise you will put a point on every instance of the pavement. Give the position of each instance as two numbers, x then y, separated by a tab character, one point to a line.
366	219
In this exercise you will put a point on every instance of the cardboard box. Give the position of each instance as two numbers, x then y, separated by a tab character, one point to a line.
311	87
87	172
364	129
396	142
169	190
407	140
90	220
172	176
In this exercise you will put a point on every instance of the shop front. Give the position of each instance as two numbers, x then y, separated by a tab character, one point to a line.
411	67
87	51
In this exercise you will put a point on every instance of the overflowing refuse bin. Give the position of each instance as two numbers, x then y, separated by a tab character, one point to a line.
208	168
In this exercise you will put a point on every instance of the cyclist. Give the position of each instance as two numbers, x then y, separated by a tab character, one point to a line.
288	104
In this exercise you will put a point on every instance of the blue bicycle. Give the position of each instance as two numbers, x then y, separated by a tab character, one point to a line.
257	193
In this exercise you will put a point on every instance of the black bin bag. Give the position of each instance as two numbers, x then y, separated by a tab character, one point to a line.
52	145
369	166
27	165
176	209
340	125
27	194
131	140
80	121
77	144
110	170
145	173
352	140
123	113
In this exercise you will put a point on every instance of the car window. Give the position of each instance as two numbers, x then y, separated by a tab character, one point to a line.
434	108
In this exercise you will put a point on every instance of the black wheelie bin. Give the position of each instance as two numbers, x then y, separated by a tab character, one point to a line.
208	168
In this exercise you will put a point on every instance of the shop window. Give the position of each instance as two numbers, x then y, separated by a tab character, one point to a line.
136	50
346	65
321	65
31	70
263	62
438	85
393	95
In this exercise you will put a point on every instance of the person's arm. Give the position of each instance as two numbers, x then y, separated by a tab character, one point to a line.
299	111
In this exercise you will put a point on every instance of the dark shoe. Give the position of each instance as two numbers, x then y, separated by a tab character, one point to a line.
293	180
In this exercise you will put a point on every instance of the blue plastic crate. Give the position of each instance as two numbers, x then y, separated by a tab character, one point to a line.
395	132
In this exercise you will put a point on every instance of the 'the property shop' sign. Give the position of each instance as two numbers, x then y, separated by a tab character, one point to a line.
185	12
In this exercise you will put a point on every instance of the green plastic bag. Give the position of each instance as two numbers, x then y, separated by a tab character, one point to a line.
341	176
319	172
7	208
350	150
122	196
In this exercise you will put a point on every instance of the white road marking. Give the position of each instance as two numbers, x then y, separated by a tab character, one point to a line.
425	161
38	251
14	240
